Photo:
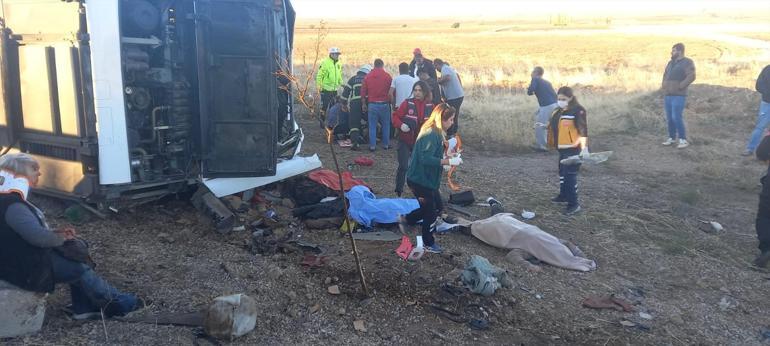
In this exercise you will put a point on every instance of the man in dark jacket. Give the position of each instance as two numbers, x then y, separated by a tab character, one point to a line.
763	211
351	96
679	74
763	118
32	256
420	63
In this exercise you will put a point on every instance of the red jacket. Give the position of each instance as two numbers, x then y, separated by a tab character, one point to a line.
413	112
376	86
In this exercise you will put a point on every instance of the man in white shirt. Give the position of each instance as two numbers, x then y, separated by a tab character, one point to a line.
452	87
401	87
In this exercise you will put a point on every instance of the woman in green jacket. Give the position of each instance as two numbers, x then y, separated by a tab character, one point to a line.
424	174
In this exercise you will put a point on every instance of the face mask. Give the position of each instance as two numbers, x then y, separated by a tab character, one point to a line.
562	104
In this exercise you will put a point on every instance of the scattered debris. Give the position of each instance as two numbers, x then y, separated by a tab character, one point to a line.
377	236
211	206
314	261
627	323
328	281
363	161
165	238
711	227
461	210
463	199
727	303
359	326
481	277
315	308
479	324
527	215
495	207
229	317
341	312
334	290
645	315
607	302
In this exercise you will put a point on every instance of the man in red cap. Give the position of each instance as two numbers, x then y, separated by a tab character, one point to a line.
419	63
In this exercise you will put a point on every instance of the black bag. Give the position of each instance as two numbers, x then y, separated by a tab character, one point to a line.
464	198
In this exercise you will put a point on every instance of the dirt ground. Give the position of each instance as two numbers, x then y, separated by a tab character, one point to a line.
641	223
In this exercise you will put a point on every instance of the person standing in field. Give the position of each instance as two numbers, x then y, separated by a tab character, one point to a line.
420	63
351	95
408	119
679	74
452	87
374	93
763	118
432	84
424	173
328	80
568	132
401	86
763	210
546	98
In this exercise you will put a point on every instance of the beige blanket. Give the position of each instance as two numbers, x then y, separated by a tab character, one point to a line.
505	231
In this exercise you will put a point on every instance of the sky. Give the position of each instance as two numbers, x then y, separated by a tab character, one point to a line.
450	9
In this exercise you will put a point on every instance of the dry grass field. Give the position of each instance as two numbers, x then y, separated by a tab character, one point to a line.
612	66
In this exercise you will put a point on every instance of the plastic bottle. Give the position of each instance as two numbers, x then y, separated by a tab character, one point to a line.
418	250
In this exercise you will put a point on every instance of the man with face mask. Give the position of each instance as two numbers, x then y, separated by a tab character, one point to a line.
679	74
420	63
328	80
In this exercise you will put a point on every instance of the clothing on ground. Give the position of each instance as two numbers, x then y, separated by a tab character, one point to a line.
452	87
484	278
543	90
678	76
366	209
376	86
331	180
505	231
403	87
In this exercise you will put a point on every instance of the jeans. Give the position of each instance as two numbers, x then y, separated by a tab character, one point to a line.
542	117
430	207
763	120
88	291
379	113
456	103
674	109
404	154
568	187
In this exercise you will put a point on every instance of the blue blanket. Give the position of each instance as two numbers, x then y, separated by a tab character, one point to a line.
365	208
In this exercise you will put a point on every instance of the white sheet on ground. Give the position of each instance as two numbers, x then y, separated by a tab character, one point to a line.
505	231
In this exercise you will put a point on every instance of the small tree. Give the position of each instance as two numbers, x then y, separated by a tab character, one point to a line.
456	25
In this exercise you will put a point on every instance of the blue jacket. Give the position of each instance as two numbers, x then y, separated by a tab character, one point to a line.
543	90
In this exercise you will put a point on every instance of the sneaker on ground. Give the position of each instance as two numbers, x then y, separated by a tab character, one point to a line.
747	153
559	199
682	144
668	141
572	210
434	248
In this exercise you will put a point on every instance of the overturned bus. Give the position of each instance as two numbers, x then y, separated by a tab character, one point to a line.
124	101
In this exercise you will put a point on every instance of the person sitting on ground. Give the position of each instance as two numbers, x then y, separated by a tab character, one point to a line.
424	173
35	258
407	119
546	98
568	132
763	210
337	122
433	85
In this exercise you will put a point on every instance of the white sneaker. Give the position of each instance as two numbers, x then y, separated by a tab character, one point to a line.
668	141
682	144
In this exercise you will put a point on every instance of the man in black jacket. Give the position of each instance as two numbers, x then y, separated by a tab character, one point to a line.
763	118
419	63
351	97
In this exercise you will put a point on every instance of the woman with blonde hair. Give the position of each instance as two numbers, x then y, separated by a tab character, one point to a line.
424	173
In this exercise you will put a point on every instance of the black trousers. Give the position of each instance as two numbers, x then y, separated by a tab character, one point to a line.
430	206
354	121
327	99
568	177
404	155
763	232
456	103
